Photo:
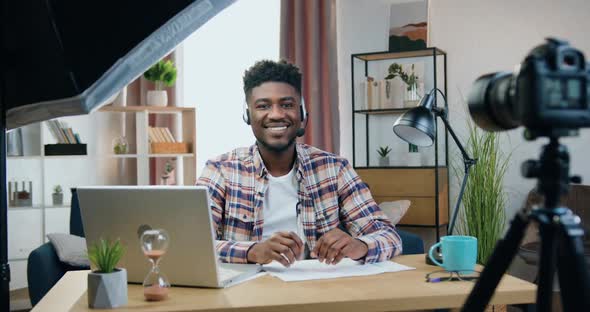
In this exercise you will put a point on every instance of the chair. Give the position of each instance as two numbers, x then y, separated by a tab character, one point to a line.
44	268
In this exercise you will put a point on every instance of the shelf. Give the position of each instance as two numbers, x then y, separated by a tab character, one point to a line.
24	157
149	109
171	155
385	55
383	111
59	206
65	156
15	208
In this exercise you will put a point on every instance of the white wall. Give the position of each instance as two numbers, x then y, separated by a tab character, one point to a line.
484	36
479	36
215	58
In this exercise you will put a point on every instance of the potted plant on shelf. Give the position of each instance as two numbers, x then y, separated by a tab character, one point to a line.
483	214
411	83
383	152
413	155
107	285
57	196
163	73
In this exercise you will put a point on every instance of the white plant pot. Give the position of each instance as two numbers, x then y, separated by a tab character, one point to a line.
413	159
107	290
384	161
157	98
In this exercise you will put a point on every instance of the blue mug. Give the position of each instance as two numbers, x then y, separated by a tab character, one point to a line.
459	253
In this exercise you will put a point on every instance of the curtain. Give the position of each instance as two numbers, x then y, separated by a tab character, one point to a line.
308	39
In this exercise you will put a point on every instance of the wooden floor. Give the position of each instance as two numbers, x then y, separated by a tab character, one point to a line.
19	300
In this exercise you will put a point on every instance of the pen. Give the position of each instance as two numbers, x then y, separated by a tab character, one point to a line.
300	231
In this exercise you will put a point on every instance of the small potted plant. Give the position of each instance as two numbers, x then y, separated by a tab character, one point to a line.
58	196
413	155
107	285
168	168
383	152
163	73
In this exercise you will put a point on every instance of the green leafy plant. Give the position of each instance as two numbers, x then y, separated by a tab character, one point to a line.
396	70
383	151
483	214
57	189
412	148
105	255
162	73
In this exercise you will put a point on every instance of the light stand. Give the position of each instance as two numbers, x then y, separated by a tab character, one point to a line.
417	126
4	268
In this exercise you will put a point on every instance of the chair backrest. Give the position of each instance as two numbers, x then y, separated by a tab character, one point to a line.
76	227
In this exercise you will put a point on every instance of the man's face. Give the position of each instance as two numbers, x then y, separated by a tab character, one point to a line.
274	115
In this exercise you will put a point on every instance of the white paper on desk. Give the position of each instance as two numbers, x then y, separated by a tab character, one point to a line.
313	269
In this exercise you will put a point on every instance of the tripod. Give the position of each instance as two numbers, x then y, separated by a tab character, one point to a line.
561	239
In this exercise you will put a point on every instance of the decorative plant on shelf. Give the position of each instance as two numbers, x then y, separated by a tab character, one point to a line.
107	285
396	70
412	148
383	152
163	73
57	195
484	201
168	168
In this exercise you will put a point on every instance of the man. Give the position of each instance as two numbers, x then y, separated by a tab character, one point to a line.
279	199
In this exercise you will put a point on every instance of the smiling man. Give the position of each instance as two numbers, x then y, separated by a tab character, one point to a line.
284	201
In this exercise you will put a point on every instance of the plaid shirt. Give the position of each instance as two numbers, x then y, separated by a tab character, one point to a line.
330	192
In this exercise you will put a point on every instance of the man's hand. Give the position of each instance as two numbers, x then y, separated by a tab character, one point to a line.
284	247
335	245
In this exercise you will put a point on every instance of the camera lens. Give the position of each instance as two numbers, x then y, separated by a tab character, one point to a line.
491	104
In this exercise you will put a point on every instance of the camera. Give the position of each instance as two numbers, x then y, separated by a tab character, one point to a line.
547	93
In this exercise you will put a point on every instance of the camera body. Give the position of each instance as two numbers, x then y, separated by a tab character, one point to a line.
547	94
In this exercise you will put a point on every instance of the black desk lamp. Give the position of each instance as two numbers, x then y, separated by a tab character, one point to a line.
417	126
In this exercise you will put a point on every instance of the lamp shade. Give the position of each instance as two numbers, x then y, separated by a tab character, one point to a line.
416	126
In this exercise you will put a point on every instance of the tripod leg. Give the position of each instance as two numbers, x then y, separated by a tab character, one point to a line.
497	264
574	276
548	231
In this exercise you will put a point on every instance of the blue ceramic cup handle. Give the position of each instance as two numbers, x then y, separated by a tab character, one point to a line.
431	251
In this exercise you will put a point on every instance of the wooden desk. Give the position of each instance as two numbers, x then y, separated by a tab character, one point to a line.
400	291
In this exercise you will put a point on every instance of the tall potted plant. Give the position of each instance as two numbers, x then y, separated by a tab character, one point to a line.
107	285
484	201
163	73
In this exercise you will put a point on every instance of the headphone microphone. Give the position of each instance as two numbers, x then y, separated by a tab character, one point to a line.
300	132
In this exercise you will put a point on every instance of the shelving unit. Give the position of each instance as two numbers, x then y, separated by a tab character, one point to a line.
184	131
29	225
425	185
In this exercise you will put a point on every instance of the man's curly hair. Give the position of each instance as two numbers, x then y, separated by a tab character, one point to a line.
267	70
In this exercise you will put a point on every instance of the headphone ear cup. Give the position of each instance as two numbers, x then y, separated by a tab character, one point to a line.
246	116
302	113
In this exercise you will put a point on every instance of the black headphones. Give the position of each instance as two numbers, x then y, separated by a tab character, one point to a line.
302	112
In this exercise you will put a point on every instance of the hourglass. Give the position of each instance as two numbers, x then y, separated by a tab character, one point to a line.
154	244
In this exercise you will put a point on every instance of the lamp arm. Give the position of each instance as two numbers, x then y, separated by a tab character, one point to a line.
441	112
467	161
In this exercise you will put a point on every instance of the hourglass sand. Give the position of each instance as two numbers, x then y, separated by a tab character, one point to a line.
154	244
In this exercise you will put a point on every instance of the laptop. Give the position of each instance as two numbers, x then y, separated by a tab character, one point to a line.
124	212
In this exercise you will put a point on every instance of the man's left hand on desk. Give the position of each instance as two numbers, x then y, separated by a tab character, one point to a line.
335	244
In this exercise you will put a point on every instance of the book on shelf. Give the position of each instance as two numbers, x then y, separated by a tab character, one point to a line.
160	135
62	132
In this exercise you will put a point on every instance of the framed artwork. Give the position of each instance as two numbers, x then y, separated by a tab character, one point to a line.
408	26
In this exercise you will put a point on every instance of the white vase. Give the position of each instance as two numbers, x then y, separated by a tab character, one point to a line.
107	290
413	159
396	92
157	98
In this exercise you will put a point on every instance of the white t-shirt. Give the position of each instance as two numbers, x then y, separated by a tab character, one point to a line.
280	204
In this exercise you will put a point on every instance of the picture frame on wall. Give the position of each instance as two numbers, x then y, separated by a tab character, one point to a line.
408	29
